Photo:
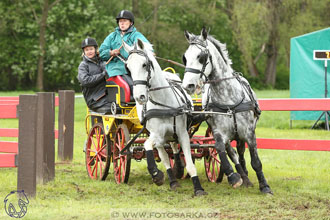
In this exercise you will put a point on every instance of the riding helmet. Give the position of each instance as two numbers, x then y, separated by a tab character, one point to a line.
124	14
88	42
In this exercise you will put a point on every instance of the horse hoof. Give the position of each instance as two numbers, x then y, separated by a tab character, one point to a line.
200	192
159	179
238	184
246	182
174	185
235	180
266	190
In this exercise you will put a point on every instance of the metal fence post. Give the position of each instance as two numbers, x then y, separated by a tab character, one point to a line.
65	124
45	155
26	171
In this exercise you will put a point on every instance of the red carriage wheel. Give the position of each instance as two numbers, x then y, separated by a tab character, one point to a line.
98	153
211	162
121	163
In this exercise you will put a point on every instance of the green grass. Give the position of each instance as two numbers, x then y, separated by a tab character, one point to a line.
299	179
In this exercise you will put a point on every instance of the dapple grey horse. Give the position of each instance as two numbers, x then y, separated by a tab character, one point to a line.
163	112
207	62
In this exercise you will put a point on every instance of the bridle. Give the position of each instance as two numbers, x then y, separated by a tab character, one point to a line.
205	53
148	67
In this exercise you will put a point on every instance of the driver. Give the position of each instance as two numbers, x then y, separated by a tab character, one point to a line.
112	45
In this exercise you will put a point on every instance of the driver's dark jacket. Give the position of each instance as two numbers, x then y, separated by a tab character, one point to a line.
91	75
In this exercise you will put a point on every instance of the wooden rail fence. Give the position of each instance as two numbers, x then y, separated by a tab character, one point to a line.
34	153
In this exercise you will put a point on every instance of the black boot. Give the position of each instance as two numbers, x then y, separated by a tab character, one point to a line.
157	176
246	181
178	168
173	182
234	179
263	185
199	191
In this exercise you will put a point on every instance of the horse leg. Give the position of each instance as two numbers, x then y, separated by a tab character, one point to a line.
164	157
190	166
257	166
178	168
157	175
234	179
234	157
240	150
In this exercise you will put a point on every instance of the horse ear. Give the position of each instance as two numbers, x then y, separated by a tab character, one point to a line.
204	33
126	47
187	35
140	44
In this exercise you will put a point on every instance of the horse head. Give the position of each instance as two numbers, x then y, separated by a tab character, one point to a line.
197	61
140	66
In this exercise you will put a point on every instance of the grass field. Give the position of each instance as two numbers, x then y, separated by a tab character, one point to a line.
299	179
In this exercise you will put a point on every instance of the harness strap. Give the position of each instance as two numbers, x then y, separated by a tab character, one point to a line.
235	125
196	71
192	70
140	82
175	136
163	113
184	99
163	105
248	90
240	107
159	88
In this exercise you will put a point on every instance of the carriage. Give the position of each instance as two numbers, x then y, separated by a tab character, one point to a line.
109	134
119	137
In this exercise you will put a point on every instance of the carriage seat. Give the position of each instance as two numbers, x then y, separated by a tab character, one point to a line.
125	93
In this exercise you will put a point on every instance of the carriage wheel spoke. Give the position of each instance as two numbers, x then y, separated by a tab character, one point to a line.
93	170
93	143
91	159
96	165
215	157
100	151
101	165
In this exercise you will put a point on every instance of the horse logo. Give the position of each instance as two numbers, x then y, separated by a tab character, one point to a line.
13	199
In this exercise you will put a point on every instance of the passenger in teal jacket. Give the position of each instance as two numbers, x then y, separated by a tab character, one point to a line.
112	43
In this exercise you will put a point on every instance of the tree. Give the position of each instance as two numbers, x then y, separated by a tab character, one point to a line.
42	22
40	39
272	43
259	26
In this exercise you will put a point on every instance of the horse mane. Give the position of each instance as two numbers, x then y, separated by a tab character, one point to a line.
148	47
221	48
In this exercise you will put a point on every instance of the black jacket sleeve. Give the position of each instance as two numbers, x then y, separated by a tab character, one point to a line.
87	79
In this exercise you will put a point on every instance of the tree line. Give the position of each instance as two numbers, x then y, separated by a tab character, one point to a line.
40	39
